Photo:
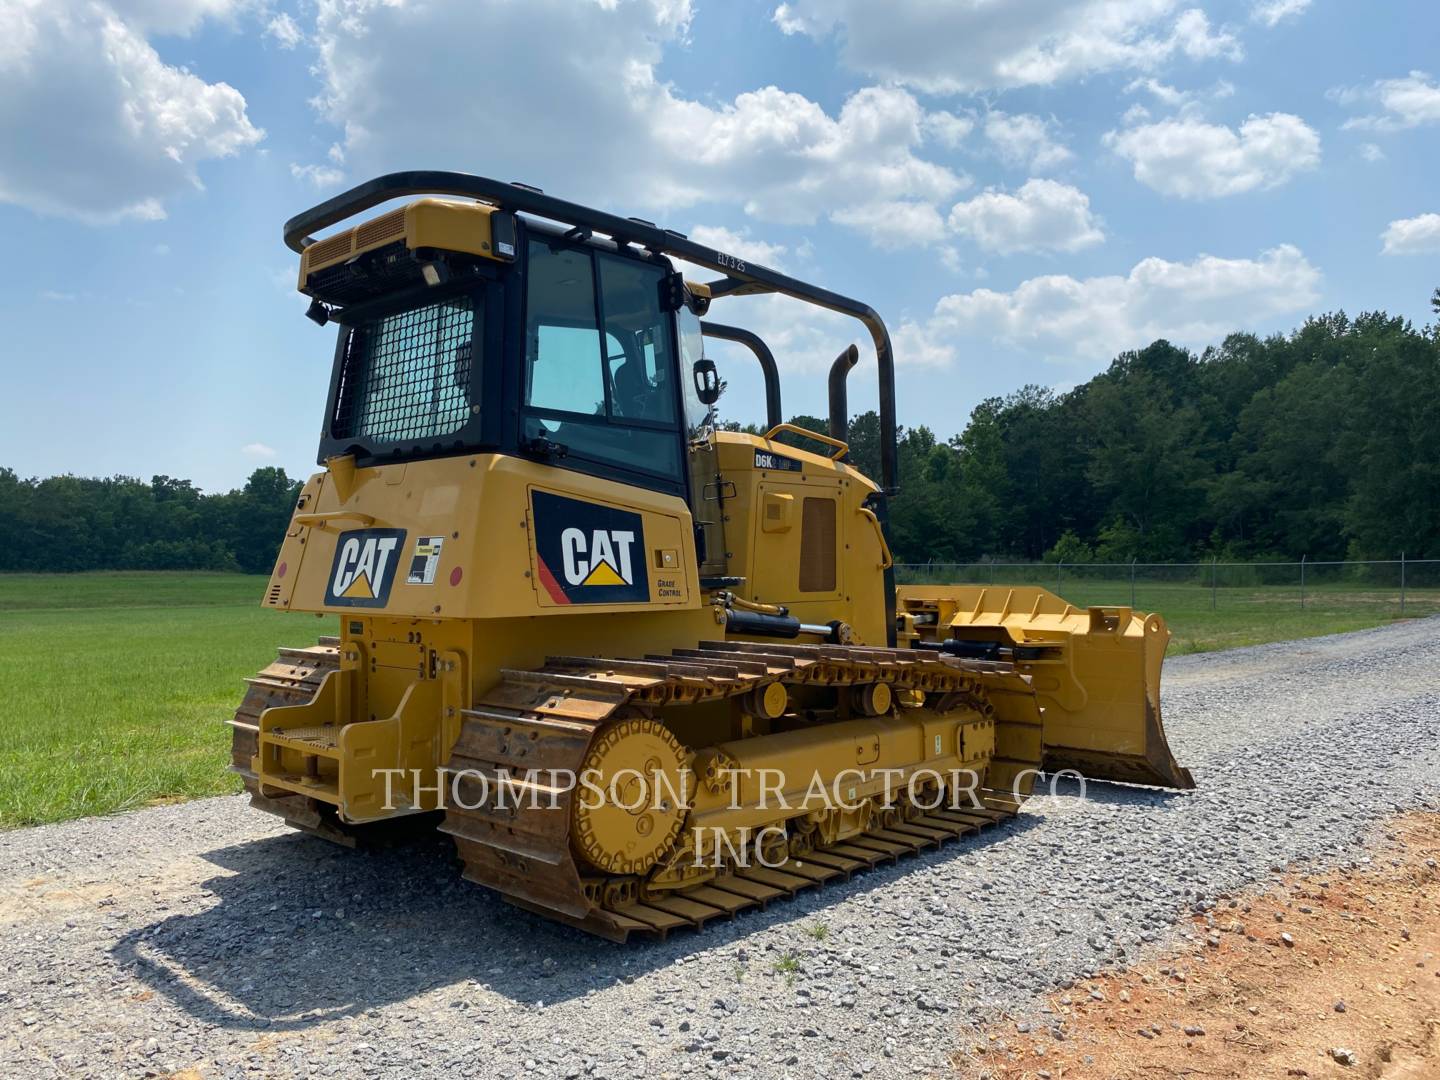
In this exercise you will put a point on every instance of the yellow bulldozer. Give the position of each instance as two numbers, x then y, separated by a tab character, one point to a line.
647	673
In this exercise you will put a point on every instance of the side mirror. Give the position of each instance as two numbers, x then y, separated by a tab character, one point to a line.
707	381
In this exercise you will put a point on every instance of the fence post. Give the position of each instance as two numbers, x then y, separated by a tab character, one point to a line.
1058	566
1402	583
1132	584
1302	581
1214	562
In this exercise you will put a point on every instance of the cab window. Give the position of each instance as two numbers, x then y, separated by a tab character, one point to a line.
599	363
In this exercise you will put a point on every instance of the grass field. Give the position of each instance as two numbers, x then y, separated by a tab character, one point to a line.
1202	620
116	685
1255	616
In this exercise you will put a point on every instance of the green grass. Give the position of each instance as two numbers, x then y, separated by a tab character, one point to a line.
115	686
1254	616
1235	614
787	966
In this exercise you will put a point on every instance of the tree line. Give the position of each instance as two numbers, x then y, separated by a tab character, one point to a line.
1324	442
73	523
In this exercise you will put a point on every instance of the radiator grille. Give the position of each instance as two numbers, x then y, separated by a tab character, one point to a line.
406	376
326	250
385	227
817	546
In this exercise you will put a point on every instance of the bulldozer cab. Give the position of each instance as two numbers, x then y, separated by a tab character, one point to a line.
466	326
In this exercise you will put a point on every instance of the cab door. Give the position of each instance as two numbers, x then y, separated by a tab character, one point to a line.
708	488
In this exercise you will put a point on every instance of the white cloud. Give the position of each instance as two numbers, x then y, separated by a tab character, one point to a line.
806	339
134	128
1189	158
1024	140
175	16
1043	215
1273	12
1135	114
969	45
1059	316
1095	318
321	176
894	225
56	297
1164	94
1174	98
948	129
920	346
1371	153
259	450
1413	236
601	125
285	31
1407	103
740	244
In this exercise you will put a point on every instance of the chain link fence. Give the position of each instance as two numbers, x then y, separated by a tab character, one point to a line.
1385	587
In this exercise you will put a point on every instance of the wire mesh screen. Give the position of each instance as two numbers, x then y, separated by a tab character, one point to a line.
406	376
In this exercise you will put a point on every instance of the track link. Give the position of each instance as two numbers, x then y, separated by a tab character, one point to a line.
545	720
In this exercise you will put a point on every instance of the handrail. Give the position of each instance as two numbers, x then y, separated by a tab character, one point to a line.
886	559
323	519
841	448
740	277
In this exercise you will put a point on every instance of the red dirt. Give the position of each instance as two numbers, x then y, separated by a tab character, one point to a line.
1360	974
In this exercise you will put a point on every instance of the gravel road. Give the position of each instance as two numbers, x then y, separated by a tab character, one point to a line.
206	936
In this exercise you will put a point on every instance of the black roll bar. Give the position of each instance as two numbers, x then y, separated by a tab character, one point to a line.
774	416
839	408
740	277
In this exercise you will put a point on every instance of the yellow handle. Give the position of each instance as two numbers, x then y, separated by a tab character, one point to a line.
841	449
887	561
323	520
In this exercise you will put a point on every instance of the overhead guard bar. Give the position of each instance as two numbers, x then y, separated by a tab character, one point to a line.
774	415
741	277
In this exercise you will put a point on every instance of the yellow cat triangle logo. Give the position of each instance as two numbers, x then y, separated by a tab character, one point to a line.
604	574
359	588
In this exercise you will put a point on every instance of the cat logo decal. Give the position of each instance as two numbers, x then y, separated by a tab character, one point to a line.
588	553
364	568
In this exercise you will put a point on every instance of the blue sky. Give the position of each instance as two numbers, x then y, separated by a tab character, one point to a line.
1022	189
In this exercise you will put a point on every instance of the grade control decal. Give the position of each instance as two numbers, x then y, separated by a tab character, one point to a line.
588	553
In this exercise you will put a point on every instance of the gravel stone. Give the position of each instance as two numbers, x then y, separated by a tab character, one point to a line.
208	936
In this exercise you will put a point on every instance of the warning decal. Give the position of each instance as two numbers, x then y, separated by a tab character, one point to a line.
425	560
589	553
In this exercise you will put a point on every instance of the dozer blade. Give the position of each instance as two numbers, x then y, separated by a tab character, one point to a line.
1096	672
